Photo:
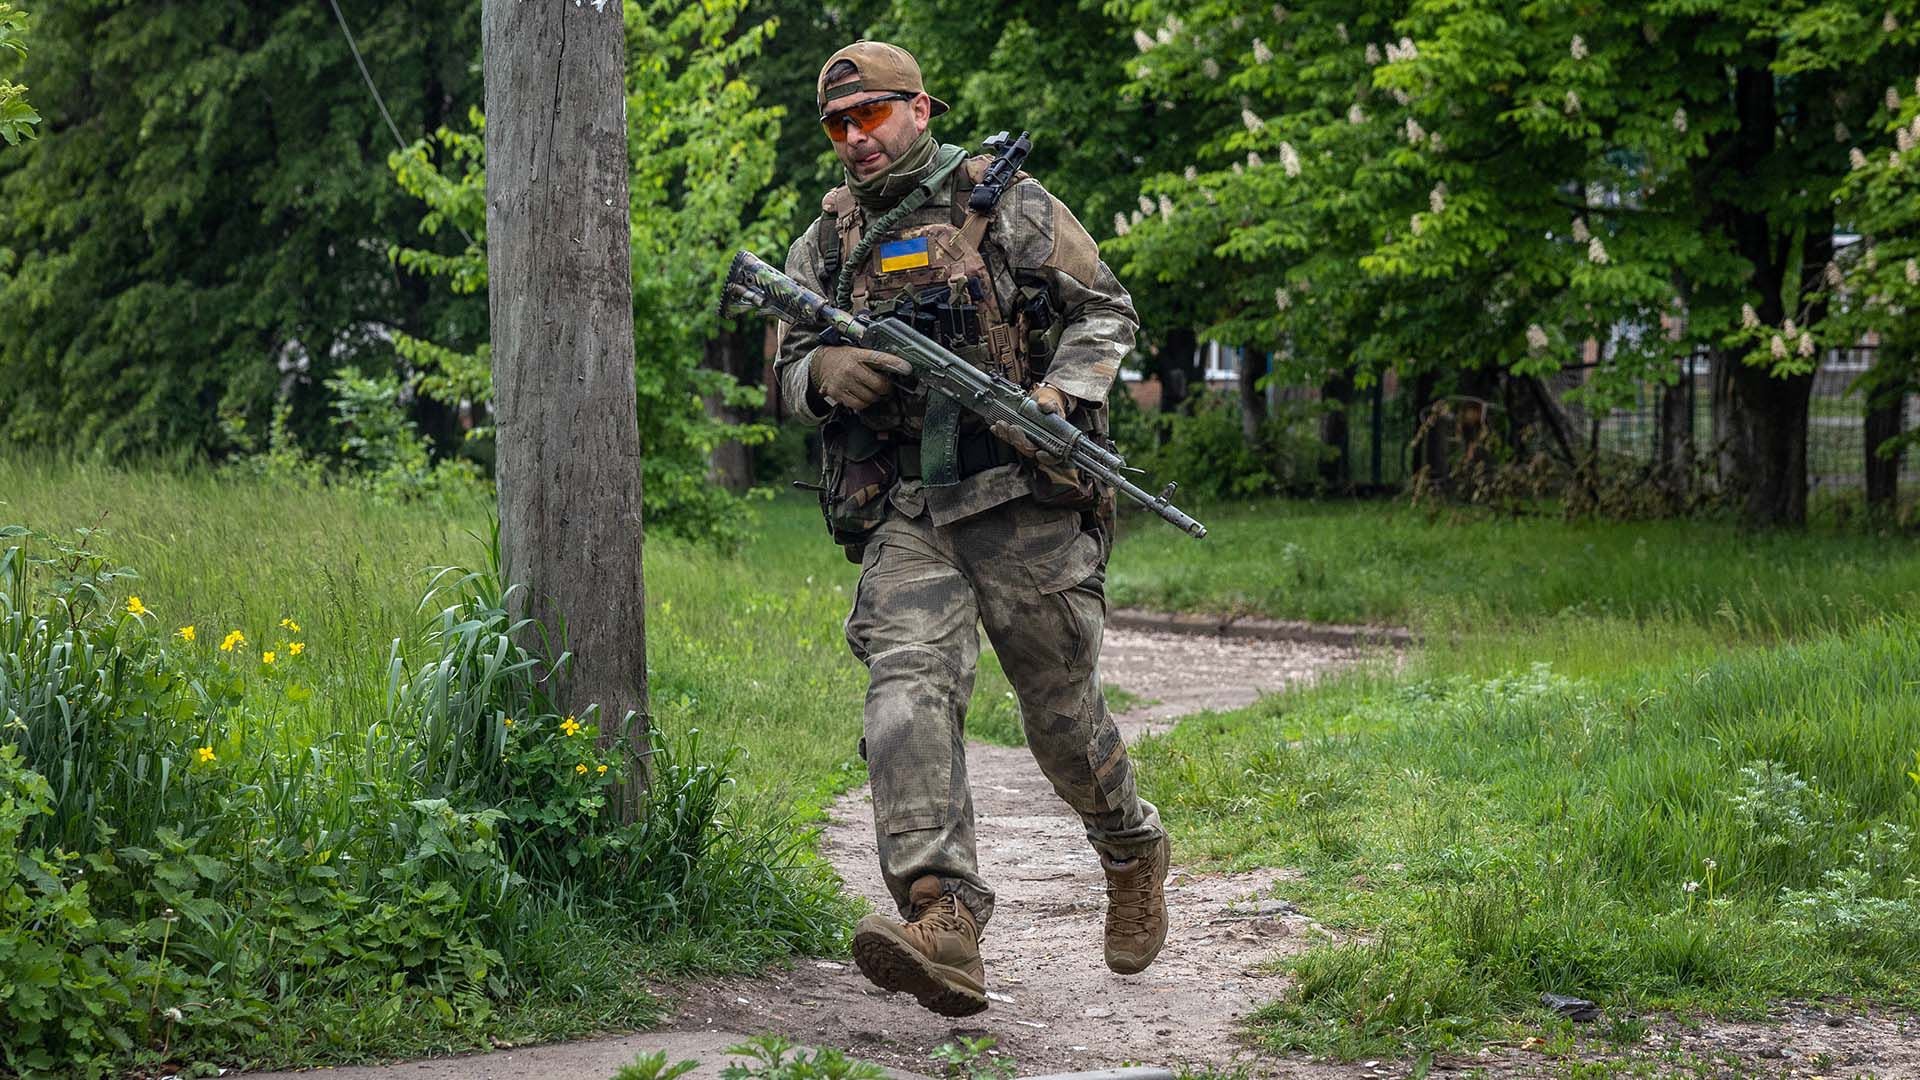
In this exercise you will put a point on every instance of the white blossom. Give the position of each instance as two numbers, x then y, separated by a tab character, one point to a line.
1437	142
1680	120
1166	208
1289	160
1893	100
1280	13
1238	168
1414	223
1536	338
1893	159
1596	252
1749	318
1913	272
1437	198
1691	886
1408	51
1903	139
1120	227
1805	347
1261	54
1143	73
1889	24
1146	205
1788	328
1779	350
1163	35
1573	102
1373	54
1841	134
1835	279
1400	96
1340	30
1355	114
1916	84
1871	260
1414	131
1914	128
1580	233
1253	160
1210	68
1142	40
1282	299
1578	48
1856	158
1251	120
1192	174
173	1014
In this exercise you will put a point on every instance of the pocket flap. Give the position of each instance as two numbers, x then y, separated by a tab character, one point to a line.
1066	566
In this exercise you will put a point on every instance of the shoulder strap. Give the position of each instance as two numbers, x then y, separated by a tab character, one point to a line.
840	213
951	159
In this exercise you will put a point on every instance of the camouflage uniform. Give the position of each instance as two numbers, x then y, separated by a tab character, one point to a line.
942	558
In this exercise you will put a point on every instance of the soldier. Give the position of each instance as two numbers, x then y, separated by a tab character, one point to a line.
953	525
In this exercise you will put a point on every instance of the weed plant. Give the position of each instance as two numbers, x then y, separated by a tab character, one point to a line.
199	859
1711	834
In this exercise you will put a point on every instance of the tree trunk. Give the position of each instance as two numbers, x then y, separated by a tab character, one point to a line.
731	463
1336	434
1253	400
1179	368
1768	443
1885	404
1674	455
561	303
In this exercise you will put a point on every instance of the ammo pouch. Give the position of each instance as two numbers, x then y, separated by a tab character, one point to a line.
857	470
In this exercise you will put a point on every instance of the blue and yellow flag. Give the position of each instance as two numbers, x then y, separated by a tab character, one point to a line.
903	254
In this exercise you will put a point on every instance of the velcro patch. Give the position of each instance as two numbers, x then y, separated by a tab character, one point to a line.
903	255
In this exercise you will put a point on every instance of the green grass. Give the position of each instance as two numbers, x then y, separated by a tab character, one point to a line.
1392	563
1490	839
1491	830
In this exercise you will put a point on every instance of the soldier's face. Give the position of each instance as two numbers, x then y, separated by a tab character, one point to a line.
869	153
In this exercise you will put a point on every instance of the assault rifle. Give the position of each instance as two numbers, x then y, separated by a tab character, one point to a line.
753	286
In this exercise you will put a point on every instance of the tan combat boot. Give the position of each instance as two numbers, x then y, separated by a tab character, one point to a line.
1137	908
935	956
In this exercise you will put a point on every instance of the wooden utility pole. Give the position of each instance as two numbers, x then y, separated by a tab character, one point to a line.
560	298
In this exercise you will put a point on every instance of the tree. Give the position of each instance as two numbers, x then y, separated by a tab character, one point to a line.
1443	187
702	151
202	220
17	118
561	308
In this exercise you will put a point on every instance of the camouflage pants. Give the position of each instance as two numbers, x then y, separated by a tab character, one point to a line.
1034	580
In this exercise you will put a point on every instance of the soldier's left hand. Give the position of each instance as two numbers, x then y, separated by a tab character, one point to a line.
1049	400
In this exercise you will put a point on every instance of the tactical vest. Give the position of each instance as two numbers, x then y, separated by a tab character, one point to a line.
937	276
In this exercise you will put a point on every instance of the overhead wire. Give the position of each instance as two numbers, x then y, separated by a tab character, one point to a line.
398	142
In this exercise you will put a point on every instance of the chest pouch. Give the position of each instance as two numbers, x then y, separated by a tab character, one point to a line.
856	472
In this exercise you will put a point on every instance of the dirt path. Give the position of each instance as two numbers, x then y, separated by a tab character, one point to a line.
1055	1006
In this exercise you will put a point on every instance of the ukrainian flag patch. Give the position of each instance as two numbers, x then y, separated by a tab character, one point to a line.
903	254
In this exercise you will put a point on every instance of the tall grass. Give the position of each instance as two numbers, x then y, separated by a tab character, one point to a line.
1711	833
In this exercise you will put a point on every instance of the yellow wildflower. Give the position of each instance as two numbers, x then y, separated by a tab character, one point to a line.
289	624
135	607
570	726
233	640
185	634
204	754
296	648
602	770
508	721
267	657
581	769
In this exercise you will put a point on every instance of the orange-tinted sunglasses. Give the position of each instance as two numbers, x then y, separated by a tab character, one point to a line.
866	116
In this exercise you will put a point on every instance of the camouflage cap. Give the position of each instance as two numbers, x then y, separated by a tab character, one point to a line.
881	67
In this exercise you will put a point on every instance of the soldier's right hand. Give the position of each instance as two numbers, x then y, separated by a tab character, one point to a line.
852	376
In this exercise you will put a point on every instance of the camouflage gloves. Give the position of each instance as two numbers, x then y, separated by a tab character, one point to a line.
854	377
1050	400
